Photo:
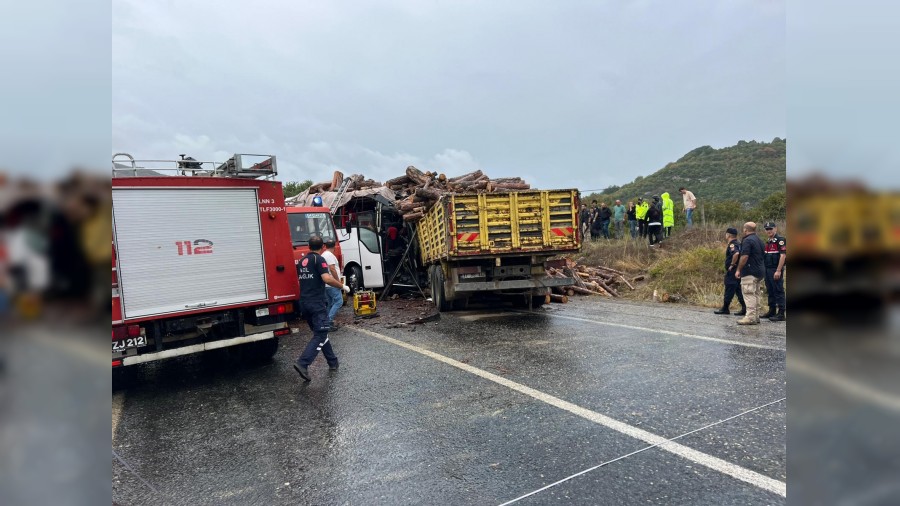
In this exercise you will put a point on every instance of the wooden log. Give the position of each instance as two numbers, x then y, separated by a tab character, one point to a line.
561	299
442	178
402	180
413	216
501	180
608	289
510	186
465	177
626	282
428	193
637	278
570	291
336	179
416	175
610	270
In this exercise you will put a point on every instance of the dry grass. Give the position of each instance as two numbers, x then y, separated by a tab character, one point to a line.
687	267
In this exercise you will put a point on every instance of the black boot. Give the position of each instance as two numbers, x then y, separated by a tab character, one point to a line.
779	316
770	314
723	310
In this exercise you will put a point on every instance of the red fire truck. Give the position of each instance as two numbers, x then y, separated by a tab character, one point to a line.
202	258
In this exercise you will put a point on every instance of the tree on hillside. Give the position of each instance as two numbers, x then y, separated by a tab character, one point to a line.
292	188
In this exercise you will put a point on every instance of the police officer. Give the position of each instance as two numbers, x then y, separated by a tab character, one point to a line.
732	284
312	270
776	256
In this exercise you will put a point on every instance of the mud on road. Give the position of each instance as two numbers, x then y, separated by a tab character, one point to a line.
485	406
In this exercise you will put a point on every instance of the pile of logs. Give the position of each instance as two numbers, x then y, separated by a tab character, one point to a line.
357	182
417	191
589	280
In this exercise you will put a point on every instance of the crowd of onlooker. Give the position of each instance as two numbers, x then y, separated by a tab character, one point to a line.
653	220
55	246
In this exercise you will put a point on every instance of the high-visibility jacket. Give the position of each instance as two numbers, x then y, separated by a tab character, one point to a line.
668	209
640	210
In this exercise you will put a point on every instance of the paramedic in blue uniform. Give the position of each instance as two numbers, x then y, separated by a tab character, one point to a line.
312	270
775	258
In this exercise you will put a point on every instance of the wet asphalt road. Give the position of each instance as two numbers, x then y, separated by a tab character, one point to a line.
481	407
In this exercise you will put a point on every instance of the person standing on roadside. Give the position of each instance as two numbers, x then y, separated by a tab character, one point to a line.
732	284
593	220
334	295
604	215
776	256
654	222
751	271
632	220
585	217
312	271
668	213
641	215
619	218
690	203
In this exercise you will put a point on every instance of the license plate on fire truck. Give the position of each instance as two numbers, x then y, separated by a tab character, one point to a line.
131	342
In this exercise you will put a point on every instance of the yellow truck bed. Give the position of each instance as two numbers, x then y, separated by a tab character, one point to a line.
497	224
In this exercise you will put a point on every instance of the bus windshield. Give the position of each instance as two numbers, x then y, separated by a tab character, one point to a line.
305	224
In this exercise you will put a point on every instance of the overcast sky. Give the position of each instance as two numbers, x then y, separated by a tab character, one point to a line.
582	94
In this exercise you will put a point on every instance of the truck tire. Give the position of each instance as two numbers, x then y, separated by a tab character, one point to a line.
265	350
354	278
437	290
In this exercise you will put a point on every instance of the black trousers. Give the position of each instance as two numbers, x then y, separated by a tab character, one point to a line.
775	288
654	232
732	288
642	228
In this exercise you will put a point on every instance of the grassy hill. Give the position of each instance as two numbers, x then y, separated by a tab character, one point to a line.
747	172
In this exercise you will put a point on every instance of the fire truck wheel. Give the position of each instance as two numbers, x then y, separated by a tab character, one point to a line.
123	377
266	349
354	278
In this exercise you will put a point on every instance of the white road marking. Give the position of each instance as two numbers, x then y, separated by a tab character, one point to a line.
847	385
714	463
667	332
117	400
567	478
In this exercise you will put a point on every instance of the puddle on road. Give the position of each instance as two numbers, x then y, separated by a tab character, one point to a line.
471	317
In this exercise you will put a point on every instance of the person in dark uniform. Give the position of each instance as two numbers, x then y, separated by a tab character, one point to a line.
312	270
732	284
776	256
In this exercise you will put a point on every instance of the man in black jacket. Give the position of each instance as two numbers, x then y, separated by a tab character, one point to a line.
654	222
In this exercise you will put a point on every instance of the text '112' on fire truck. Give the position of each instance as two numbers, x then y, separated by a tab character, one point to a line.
202	258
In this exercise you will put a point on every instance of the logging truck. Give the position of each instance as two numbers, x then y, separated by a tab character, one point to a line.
497	243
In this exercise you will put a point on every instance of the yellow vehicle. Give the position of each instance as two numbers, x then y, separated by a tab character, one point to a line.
843	253
497	243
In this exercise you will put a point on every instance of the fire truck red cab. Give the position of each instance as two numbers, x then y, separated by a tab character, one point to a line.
306	221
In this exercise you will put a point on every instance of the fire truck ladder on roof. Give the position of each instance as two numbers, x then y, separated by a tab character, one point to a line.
244	166
339	195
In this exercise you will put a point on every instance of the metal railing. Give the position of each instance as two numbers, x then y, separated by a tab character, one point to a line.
125	165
